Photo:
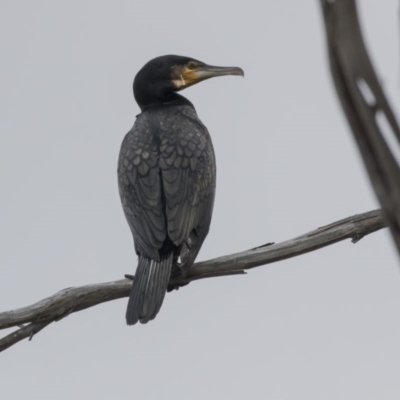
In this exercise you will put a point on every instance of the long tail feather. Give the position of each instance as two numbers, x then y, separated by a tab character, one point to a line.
148	289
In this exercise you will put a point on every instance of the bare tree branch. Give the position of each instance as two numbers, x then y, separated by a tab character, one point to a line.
22	333
371	119
71	300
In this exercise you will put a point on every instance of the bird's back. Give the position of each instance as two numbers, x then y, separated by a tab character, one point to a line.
166	179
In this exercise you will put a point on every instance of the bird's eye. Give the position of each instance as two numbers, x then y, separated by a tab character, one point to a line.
191	65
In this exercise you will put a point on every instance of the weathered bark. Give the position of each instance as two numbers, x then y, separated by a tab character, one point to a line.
365	105
70	300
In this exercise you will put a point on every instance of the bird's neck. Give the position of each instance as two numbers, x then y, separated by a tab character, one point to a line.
150	93
171	99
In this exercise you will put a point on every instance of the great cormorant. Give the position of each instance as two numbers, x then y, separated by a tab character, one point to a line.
166	177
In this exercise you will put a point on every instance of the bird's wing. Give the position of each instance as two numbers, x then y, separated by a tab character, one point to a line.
140	188
188	171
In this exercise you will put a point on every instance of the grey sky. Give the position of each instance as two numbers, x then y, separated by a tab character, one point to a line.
323	326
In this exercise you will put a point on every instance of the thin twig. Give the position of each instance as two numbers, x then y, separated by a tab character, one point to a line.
23	333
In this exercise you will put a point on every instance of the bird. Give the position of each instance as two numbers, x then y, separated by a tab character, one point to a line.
166	178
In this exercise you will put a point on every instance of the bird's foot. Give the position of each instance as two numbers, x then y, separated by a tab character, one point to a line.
128	276
170	288
176	269
176	273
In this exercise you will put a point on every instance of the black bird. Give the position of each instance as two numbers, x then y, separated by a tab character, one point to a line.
166	177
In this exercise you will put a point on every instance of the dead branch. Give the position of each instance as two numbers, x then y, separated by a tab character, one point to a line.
365	105
71	300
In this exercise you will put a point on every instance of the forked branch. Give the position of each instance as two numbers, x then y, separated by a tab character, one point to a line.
37	316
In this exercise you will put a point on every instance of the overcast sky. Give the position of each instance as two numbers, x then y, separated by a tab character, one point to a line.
322	326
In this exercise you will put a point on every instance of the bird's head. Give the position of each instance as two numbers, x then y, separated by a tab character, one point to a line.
159	79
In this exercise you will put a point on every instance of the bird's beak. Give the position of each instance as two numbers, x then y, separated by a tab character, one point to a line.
210	71
184	77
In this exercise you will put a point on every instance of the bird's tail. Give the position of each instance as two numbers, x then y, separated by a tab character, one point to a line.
148	289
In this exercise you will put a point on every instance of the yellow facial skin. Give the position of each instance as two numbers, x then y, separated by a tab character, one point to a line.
184	76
